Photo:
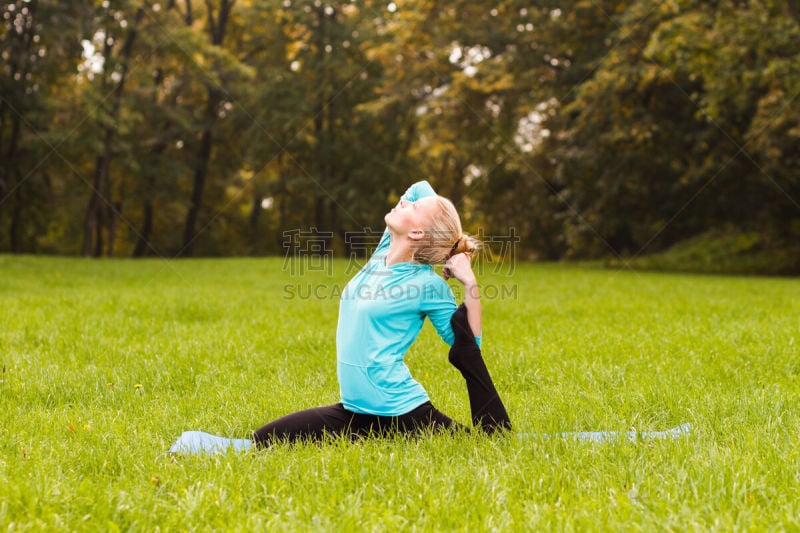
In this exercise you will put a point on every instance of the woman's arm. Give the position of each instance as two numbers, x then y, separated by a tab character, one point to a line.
459	267
420	189
439	304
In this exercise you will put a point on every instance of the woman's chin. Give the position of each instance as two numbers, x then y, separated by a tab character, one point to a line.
389	221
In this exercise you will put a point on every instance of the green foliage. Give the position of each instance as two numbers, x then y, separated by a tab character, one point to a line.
666	140
38	53
104	363
597	129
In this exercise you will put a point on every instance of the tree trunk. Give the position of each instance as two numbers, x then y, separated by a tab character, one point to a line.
5	167
319	133
114	212
216	30
102	196
188	17
11	168
19	70
794	9
255	212
101	183
321	119
143	242
200	175
283	200
16	222
457	194
90	219
147	229
115	207
92	229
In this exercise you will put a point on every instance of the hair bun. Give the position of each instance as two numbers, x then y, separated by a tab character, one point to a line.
465	243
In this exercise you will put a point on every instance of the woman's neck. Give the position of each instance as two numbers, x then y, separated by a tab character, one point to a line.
399	250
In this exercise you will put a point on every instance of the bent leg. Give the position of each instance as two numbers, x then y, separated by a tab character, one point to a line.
310	424
420	419
423	418
315	423
488	411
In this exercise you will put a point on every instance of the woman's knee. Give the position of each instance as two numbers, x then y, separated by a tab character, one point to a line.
309	424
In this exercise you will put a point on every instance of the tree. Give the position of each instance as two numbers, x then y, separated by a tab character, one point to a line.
223	65
656	145
102	211
40	49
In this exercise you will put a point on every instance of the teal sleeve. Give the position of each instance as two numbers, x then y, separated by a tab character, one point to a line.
421	189
439	304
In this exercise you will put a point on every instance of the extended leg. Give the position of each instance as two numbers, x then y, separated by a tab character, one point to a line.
488	411
314	424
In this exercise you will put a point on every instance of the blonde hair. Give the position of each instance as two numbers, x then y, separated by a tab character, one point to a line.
444	237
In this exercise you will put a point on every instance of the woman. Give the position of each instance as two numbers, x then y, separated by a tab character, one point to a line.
381	313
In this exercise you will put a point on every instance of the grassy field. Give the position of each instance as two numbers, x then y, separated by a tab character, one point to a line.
106	362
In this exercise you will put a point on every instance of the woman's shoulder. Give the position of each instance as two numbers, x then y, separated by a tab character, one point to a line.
425	272
433	285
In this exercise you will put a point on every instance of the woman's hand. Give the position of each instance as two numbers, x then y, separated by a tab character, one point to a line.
459	267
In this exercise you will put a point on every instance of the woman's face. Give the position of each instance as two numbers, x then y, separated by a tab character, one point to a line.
409	216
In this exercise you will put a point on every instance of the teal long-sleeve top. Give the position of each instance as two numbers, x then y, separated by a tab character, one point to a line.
381	313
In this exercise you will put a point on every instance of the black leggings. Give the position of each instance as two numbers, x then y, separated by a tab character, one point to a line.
488	412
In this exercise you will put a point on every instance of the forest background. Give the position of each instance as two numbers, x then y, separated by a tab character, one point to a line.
591	129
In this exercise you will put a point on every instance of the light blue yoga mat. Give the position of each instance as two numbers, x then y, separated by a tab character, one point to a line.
198	442
606	436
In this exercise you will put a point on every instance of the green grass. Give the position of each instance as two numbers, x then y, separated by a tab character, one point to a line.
106	362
